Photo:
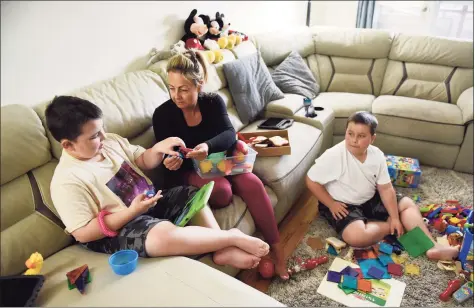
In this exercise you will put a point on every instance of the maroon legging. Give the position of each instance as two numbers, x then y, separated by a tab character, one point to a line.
250	188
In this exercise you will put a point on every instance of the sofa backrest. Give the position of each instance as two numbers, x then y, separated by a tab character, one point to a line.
29	222
350	60
428	68
127	102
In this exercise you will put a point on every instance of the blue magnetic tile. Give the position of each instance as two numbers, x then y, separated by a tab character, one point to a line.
350	282
375	272
331	250
386	248
365	265
385	259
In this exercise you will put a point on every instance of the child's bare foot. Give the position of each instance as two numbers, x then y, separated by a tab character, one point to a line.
251	244
441	252
279	261
236	257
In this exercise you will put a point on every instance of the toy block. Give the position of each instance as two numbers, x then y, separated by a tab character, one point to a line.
412	269
375	272
385	259
364	285
434	213
336	243
427	209
416	242
331	250
395	269
386	248
350	282
334	276
78	278
360	273
454	221
349	271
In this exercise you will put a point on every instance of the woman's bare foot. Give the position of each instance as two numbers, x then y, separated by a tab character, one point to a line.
441	252
279	261
252	245
236	257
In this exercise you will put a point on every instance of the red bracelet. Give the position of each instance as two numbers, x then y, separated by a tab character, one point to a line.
105	230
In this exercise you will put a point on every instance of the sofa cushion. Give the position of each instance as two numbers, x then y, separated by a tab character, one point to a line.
24	142
244	49
127	102
345	104
231	109
352	43
432	50
251	86
171	281
275	46
289	105
419	119
294	76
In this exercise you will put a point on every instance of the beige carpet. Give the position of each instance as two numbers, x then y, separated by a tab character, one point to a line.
437	185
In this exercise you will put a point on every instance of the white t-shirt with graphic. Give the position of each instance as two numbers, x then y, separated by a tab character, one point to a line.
346	178
81	189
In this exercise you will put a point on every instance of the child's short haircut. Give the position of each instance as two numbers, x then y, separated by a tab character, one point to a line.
66	115
364	117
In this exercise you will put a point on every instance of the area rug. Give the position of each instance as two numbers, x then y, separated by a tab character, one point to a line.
437	185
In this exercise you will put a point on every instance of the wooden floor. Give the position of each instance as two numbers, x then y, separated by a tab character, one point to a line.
292	230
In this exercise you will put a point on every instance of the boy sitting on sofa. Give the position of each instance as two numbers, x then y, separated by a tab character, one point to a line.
102	173
352	183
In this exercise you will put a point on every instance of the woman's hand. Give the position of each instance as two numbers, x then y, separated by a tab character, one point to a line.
200	152
166	146
173	163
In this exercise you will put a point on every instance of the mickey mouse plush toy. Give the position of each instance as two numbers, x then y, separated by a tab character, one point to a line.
195	30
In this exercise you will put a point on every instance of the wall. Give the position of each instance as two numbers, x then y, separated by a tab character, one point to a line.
334	13
51	48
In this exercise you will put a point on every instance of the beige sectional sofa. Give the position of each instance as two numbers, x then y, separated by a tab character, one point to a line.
420	88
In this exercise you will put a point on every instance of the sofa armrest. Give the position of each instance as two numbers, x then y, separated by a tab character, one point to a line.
465	103
289	105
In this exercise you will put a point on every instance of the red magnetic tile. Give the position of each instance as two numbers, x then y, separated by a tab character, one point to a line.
395	269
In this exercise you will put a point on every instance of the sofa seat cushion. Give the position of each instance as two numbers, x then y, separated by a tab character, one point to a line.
343	105
155	282
288	105
419	119
302	137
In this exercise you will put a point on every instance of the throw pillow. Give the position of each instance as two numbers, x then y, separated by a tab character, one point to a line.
294	76
251	86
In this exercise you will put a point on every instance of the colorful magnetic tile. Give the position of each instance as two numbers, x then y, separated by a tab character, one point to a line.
346	290
331	250
349	271
350	282
375	272
334	276
416	242
395	269
360	273
386	248
364	285
385	259
412	269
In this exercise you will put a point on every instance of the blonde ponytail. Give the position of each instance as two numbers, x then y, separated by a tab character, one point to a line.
191	64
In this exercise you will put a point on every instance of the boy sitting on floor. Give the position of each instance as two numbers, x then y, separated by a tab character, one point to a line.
101	172
355	193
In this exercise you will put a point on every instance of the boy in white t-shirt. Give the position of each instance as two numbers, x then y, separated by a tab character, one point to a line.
351	182
100	172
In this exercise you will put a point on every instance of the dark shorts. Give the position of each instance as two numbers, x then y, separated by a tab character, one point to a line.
132	235
371	210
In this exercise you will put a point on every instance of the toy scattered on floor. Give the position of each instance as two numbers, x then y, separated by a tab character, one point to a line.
416	198
34	264
78	278
266	268
334	245
416	242
453	286
464	293
412	269
307	264
395	269
404	171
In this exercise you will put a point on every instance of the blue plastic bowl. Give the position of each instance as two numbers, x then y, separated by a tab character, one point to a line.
124	262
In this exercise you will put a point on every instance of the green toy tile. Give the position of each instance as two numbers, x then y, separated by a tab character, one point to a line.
346	290
416	242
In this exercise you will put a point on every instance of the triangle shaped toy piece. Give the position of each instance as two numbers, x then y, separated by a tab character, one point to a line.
76	273
81	281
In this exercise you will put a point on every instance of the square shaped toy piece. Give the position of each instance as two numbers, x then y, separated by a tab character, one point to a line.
386	248
350	282
334	276
375	272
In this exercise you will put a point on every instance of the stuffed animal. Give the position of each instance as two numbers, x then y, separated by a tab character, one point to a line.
155	55
195	27
223	24
214	29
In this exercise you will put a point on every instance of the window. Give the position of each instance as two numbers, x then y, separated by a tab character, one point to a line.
452	19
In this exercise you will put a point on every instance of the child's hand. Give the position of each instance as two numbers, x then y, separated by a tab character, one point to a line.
173	162
142	203
395	225
338	210
200	152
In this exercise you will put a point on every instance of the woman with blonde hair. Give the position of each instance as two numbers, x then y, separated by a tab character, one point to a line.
202	122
